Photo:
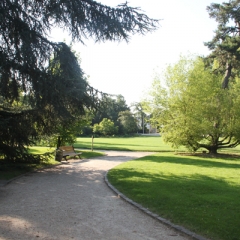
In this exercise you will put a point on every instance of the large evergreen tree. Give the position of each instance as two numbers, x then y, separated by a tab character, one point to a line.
225	45
41	81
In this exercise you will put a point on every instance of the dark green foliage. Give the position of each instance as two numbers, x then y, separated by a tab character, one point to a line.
15	133
109	108
24	25
226	41
86	131
41	83
128	122
140	115
70	94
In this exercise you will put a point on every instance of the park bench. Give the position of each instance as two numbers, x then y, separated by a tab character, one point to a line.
69	151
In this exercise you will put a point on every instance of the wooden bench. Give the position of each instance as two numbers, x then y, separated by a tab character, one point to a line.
69	151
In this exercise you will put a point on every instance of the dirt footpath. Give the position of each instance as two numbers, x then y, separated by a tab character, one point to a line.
72	201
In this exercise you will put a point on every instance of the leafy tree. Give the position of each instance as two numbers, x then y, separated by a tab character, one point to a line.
54	89
110	107
140	115
225	56
97	129
193	110
105	127
128	122
66	132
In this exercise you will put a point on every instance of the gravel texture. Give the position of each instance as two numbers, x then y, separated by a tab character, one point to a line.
72	201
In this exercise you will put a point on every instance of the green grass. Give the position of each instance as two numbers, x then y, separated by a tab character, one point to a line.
90	154
138	143
40	150
199	193
11	170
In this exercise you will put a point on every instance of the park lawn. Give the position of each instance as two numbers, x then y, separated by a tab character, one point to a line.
9	171
198	192
138	143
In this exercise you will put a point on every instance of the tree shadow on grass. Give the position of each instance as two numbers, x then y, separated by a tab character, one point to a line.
120	147
206	205
196	161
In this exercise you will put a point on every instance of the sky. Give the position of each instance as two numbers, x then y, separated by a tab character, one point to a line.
129	68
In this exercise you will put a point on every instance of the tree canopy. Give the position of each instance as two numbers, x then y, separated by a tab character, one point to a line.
192	109
225	44
110	107
140	115
128	122
106	127
41	81
25	47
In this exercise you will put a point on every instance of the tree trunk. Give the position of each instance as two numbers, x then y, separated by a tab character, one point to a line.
143	123
227	75
213	149
59	142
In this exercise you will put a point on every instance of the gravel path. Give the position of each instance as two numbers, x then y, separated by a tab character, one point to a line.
71	201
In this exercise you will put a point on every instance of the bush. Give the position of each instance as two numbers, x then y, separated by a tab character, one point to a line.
105	127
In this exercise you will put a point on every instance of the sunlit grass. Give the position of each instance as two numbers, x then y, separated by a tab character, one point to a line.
199	193
40	150
138	143
91	154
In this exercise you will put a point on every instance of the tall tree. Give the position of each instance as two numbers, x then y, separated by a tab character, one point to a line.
140	115
110	107
128	122
52	88
194	114
225	44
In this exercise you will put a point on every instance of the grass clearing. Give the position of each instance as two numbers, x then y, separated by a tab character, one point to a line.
138	143
146	143
199	193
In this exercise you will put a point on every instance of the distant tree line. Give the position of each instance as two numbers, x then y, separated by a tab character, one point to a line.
112	117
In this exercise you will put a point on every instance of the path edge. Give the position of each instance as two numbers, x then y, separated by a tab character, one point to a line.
153	215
